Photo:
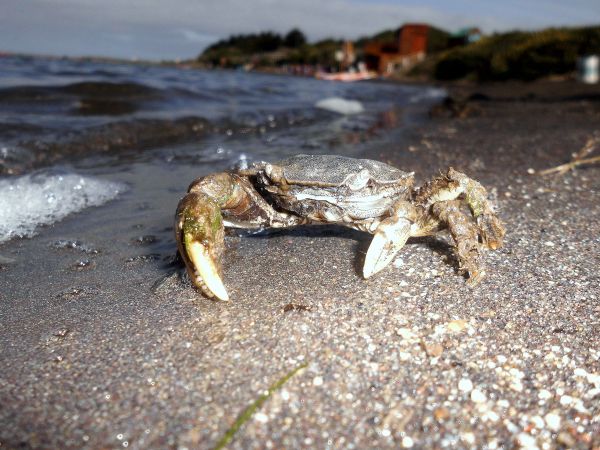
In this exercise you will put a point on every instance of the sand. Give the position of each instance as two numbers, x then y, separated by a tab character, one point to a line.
103	346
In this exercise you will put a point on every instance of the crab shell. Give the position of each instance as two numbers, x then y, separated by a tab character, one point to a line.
332	189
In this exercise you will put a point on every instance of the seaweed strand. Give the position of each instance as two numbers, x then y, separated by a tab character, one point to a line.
247	413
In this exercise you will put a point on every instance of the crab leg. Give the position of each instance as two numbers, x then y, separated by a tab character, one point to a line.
455	184
389	237
441	195
465	235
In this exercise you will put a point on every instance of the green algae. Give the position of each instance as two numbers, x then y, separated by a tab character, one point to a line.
247	413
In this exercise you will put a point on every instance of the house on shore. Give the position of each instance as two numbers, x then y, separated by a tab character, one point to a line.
408	48
464	36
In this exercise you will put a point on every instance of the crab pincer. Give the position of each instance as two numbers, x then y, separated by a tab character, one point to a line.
201	243
200	233
389	237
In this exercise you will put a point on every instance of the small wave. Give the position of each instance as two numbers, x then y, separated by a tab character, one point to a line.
340	105
137	135
23	94
109	89
101	89
428	94
43	198
126	136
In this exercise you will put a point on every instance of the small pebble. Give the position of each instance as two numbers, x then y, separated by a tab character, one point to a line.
544	394
526	441
492	416
434	349
407	442
566	400
404	356
457	325
405	333
552	421
538	422
441	413
261	417
566	439
477	396
465	385
516	386
468	437
61	332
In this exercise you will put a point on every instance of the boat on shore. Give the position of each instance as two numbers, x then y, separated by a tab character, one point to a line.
346	76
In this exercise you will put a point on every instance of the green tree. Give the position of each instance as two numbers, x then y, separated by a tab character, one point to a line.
294	39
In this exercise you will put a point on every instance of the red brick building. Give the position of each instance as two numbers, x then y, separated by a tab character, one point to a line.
409	48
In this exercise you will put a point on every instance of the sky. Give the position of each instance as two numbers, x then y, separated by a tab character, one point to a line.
171	29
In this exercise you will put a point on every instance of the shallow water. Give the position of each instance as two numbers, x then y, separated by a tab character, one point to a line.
156	128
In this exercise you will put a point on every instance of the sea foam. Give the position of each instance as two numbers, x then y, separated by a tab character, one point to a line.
340	105
46	197
431	93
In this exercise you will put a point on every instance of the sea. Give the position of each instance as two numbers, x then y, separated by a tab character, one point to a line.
78	135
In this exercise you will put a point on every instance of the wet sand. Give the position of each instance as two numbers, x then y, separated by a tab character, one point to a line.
103	349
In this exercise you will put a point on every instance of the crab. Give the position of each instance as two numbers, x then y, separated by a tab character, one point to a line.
362	194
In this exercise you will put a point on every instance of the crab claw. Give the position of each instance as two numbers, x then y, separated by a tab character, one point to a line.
200	239
389	238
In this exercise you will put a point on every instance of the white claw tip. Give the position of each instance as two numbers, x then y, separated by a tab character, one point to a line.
207	270
368	271
222	295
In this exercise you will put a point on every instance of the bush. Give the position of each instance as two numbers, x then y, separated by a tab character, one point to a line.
519	55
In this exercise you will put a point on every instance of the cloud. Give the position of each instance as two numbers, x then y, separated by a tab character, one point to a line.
181	28
193	36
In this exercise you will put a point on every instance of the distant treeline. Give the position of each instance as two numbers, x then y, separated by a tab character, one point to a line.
272	49
260	42
516	55
238	46
513	55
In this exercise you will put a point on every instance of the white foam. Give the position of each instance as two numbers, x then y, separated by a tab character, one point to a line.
431	93
46	197
340	105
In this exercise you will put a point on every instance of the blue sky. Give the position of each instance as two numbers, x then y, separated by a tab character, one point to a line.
169	29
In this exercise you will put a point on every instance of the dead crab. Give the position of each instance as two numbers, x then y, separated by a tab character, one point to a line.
315	189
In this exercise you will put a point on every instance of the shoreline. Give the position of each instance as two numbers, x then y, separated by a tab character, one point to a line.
122	351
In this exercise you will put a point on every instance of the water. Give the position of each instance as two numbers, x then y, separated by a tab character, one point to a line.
154	129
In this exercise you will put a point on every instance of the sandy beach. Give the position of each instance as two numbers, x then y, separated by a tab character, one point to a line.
103	346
